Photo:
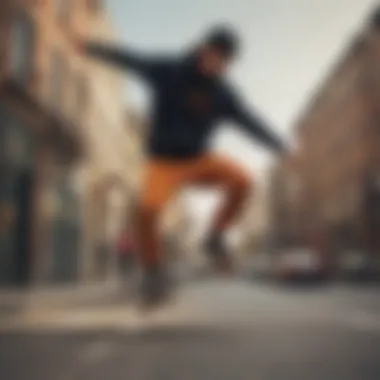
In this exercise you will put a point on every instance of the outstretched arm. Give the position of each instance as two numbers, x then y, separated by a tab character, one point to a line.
121	57
254	125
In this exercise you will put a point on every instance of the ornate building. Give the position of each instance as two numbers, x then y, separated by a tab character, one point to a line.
68	162
340	147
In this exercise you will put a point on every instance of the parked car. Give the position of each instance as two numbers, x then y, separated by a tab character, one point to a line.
300	265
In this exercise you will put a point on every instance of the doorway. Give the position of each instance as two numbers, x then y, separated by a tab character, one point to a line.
23	197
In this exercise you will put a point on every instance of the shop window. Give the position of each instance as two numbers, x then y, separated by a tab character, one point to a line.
22	47
65	232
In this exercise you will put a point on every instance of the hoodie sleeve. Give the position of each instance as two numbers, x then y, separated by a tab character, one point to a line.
253	124
123	58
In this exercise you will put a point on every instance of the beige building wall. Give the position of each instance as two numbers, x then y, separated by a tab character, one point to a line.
340	141
91	97
109	175
55	85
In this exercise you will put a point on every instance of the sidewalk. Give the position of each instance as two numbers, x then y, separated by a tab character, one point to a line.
14	302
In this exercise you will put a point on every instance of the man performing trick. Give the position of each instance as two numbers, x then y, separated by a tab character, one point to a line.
190	97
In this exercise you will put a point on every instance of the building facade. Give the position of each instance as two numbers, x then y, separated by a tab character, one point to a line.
339	134
69	165
36	134
108	177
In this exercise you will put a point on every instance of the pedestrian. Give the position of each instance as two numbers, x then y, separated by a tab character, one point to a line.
191	95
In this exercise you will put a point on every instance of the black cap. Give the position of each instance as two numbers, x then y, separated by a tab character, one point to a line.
225	39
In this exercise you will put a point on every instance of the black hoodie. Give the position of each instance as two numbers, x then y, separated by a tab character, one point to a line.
186	104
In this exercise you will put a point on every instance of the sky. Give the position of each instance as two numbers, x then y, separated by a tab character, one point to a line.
289	46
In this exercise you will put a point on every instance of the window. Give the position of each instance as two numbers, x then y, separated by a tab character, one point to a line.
57	77
22	47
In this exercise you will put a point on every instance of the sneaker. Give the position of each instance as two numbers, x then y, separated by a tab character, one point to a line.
218	253
155	288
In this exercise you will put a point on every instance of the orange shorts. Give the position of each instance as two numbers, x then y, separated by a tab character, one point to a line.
164	178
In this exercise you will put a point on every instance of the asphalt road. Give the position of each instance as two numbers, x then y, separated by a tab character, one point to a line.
218	329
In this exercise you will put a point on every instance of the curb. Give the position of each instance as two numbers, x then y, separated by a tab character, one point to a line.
18	301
